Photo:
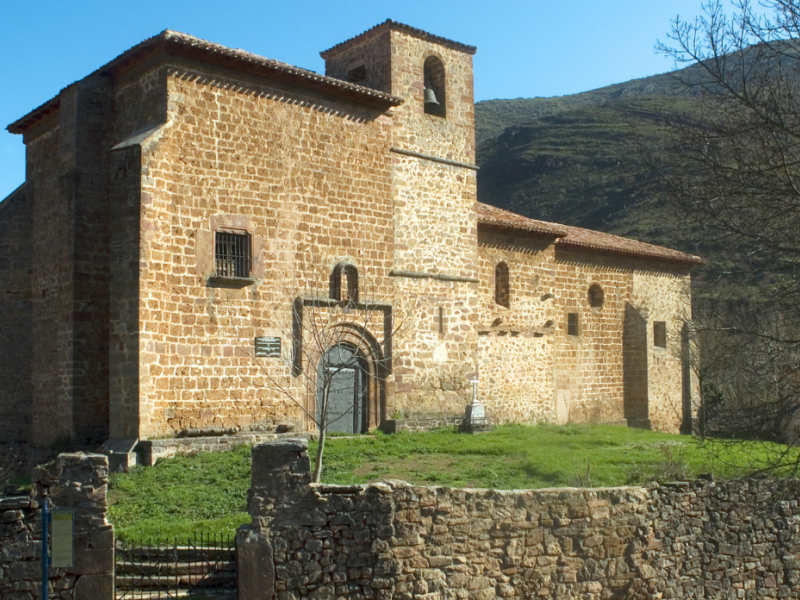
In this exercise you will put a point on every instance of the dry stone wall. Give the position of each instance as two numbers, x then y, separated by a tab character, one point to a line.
76	482
394	540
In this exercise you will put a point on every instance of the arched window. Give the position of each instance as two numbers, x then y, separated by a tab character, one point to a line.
502	291
435	100
344	283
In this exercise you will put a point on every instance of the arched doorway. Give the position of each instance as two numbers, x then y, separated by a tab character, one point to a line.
342	374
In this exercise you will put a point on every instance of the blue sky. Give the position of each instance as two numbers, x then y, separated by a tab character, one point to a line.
526	48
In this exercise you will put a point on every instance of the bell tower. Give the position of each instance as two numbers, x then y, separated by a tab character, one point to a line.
433	139
435	266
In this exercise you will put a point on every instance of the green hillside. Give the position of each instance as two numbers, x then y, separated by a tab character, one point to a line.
583	159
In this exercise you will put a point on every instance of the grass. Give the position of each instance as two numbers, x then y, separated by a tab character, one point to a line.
208	492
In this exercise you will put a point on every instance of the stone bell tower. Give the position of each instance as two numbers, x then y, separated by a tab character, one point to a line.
433	139
434	195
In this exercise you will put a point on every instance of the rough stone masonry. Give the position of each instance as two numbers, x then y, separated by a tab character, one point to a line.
126	326
704	539
73	481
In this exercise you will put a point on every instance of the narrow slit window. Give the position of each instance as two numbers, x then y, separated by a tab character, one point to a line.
344	283
660	334
441	320
232	254
573	325
502	288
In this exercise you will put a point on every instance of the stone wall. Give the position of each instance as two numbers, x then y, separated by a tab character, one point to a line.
76	482
309	177
394	540
16	223
517	343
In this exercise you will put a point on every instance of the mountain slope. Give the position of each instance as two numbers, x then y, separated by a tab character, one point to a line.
582	159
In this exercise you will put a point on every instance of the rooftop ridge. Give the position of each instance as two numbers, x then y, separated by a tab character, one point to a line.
179	40
389	24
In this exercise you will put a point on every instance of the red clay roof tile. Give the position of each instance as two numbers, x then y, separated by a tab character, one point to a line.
177	41
580	238
394	25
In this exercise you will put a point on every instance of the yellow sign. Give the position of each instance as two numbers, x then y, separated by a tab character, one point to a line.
62	539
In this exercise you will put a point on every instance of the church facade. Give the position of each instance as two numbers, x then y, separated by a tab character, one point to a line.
204	233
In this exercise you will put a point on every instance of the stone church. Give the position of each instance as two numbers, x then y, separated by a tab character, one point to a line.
203	232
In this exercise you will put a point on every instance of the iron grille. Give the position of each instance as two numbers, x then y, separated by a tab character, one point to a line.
204	566
232	254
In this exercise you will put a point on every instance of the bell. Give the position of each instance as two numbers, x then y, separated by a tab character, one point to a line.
430	99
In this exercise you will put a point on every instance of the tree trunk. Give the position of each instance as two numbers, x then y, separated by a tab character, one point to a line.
323	426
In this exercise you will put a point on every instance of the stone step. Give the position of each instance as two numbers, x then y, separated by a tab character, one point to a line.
173	568
170	582
174	553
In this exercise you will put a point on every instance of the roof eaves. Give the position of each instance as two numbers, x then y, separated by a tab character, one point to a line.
508	226
657	252
181	41
397	26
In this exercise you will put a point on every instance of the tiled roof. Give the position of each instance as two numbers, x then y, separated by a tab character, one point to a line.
394	25
579	238
497	217
183	43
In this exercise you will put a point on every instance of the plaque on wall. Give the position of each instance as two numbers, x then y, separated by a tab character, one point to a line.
267	347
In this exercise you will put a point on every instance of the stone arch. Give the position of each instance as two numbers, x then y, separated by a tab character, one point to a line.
369	357
347	291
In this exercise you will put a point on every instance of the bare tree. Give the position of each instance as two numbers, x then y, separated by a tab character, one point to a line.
342	328
732	166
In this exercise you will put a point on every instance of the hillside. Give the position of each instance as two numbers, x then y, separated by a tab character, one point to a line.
582	159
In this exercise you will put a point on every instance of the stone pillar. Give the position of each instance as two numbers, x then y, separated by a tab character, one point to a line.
279	484
255	567
80	482
280	479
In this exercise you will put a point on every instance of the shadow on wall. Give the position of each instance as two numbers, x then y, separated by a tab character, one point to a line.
634	364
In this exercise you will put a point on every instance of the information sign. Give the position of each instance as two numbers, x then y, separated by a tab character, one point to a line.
62	538
267	347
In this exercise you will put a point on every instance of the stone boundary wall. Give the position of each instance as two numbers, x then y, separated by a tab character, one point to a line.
72	481
422	422
394	540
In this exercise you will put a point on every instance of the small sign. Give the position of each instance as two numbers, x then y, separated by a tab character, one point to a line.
62	539
267	347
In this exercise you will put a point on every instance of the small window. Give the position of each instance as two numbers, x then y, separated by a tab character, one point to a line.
573	328
660	334
344	278
435	96
232	254
502	291
596	296
357	75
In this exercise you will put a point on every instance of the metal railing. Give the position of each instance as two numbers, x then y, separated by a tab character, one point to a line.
202	567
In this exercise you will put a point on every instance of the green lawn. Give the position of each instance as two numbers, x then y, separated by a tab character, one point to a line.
208	492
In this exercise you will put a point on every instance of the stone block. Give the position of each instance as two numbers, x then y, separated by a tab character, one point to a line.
255	567
95	587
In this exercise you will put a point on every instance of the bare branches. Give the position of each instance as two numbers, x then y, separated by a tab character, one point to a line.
339	325
732	165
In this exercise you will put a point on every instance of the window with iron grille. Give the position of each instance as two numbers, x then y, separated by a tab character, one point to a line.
232	254
572	324
660	334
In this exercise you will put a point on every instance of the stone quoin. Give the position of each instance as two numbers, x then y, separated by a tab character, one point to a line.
175	198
